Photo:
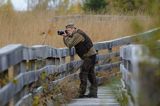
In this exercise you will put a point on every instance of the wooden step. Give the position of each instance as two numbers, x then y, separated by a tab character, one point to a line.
106	97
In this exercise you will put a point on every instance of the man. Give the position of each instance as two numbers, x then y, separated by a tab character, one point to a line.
84	48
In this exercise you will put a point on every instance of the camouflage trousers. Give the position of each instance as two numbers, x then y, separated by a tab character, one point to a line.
87	73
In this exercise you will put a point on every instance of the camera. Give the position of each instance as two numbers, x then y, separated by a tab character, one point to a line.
61	32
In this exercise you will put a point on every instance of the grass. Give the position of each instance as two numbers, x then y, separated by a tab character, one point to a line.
61	93
120	95
27	27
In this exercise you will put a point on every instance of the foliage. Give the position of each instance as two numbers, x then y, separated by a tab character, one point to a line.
54	94
96	6
122	5
149	77
120	94
140	6
152	9
7	8
149	84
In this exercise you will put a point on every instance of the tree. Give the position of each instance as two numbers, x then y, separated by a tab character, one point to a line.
96	6
38	4
42	5
2	2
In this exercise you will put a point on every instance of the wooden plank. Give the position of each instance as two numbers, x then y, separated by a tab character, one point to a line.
57	61
106	66
106	56
28	77
59	80
125	40
23	66
107	100
12	72
11	76
62	60
17	53
10	55
27	99
50	61
72	53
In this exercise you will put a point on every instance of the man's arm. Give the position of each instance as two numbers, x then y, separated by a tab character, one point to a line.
74	40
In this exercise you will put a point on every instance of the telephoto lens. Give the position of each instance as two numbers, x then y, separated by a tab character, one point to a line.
60	32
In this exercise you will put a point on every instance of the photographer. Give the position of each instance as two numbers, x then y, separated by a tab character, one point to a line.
73	37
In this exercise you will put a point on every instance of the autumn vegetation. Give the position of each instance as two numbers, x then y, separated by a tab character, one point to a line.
26	27
101	19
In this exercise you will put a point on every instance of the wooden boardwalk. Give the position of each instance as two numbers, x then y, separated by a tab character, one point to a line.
23	68
106	97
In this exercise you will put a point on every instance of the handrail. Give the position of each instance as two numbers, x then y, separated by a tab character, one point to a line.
24	65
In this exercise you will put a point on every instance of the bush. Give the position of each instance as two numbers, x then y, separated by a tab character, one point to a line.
96	6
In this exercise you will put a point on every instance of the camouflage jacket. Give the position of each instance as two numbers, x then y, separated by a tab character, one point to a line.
74	39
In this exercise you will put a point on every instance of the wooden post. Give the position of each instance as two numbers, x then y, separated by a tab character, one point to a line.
62	60
23	66
40	64
50	61
13	71
71	53
32	67
110	59
23	69
57	61
71	58
32	64
10	77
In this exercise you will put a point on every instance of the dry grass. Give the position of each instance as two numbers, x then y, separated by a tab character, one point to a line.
25	28
61	93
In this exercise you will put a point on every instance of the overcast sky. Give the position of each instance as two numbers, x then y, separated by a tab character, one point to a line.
19	4
22	5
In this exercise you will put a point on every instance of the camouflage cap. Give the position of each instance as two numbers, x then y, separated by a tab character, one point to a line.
70	25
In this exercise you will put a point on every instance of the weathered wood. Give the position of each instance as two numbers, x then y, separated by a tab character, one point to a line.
57	61
27	99
107	66
12	72
28	77
50	61
32	65
62	60
43	58
72	53
131	56
10	55
23	66
19	53
105	56
105	98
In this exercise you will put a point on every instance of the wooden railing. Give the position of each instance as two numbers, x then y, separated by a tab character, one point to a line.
134	74
22	66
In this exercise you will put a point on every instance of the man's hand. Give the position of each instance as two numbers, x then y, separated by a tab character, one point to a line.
64	35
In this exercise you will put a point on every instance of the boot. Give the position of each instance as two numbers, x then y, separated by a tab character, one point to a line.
92	93
92	96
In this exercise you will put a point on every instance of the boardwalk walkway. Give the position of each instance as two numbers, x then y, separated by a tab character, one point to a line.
105	98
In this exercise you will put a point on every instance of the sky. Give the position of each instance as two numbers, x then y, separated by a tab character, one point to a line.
19	4
22	5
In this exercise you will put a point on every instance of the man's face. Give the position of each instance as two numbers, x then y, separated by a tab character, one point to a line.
70	30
